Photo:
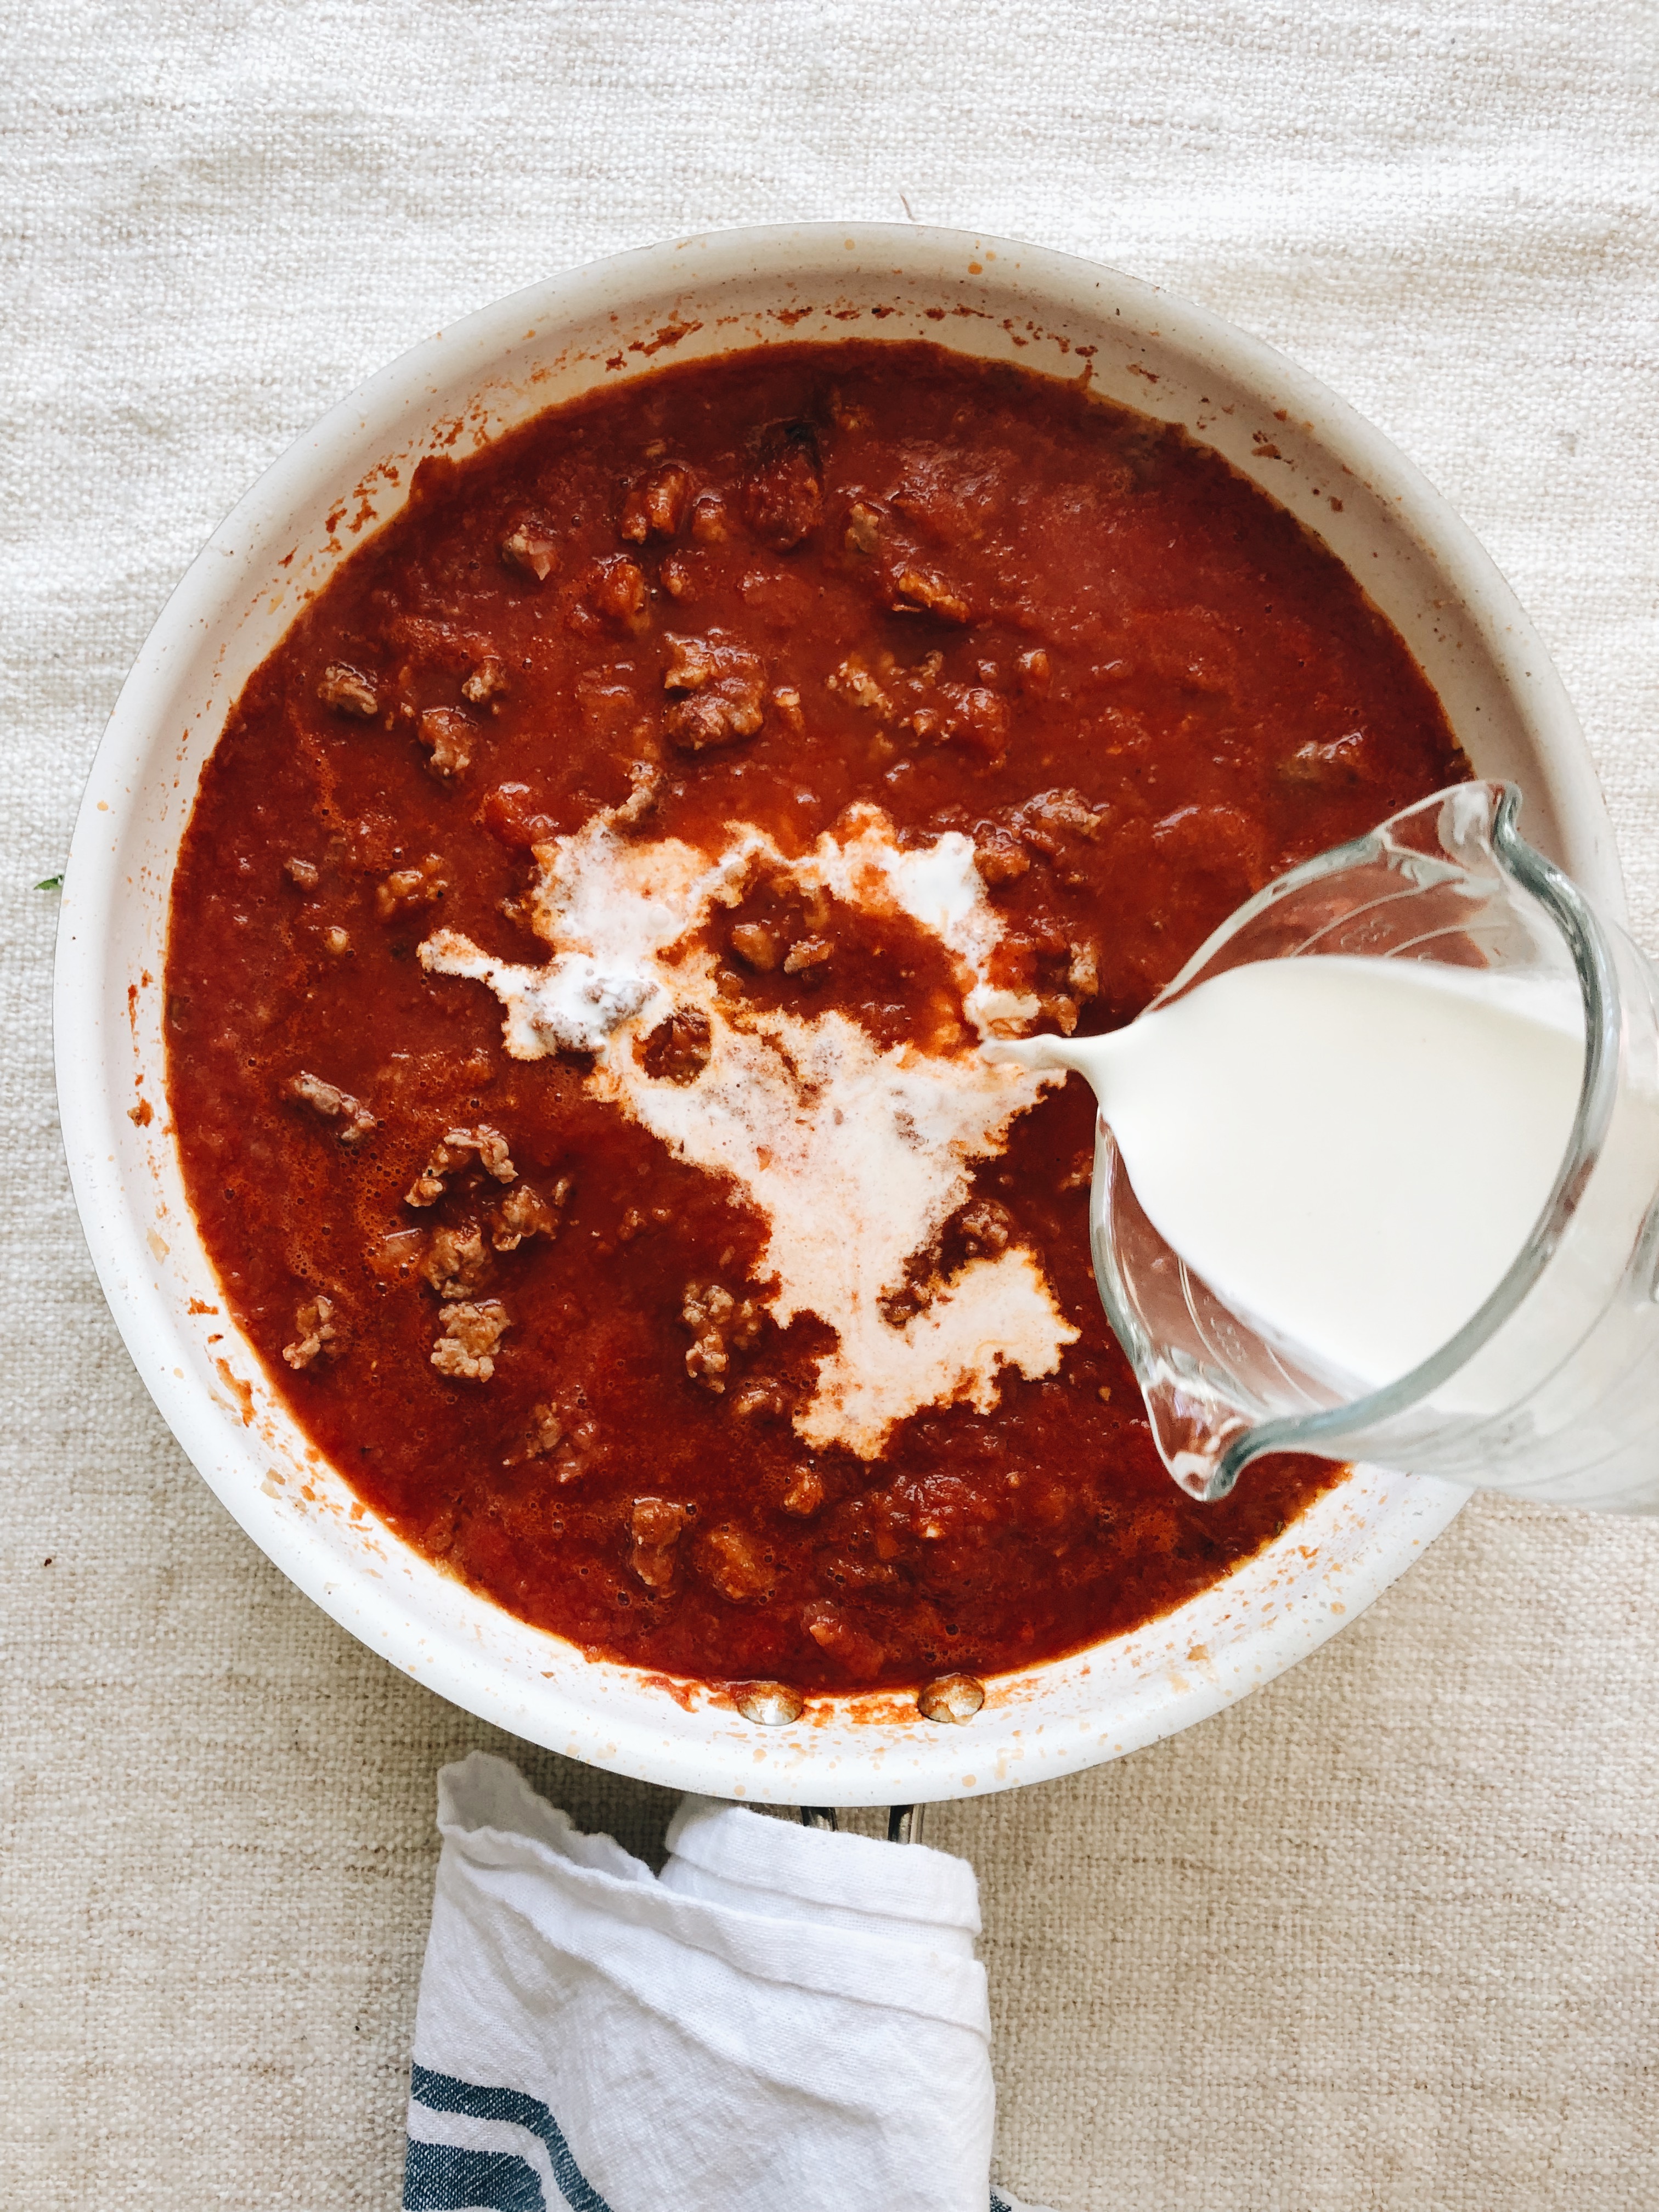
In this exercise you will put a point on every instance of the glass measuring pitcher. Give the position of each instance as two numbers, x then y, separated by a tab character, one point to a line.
1551	1390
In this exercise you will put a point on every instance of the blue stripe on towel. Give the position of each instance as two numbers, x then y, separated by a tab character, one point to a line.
438	2178
444	2092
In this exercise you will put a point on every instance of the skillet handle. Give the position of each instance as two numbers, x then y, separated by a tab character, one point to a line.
903	1821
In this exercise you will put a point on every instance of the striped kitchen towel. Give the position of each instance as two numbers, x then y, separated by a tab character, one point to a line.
784	2020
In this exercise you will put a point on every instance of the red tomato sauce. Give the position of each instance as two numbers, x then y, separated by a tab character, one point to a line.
763	589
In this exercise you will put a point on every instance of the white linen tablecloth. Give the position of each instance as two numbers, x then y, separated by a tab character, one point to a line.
1383	1937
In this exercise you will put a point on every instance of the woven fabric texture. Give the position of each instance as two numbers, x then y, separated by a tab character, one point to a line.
1383	1937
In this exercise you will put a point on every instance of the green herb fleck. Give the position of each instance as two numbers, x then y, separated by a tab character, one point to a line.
50	883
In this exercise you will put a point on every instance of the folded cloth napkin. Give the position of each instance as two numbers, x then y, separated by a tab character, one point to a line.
784	2020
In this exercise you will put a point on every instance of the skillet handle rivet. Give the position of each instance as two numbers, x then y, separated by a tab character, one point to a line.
952	1697
768	1704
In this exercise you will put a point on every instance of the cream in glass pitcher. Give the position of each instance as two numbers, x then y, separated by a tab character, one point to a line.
1378	1175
